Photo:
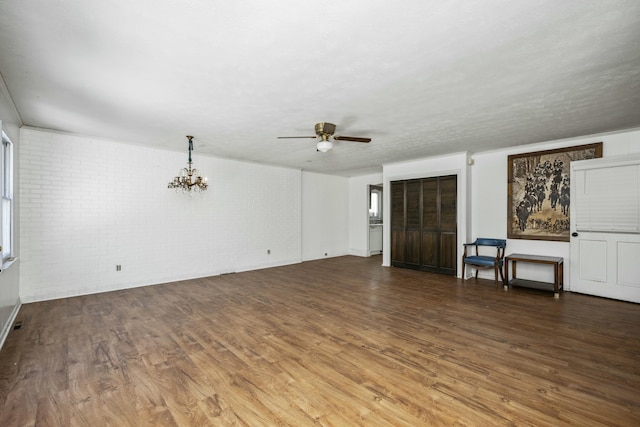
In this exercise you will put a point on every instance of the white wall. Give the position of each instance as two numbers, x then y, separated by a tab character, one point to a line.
489	199
359	212
85	205
9	278
89	204
455	164
325	213
482	196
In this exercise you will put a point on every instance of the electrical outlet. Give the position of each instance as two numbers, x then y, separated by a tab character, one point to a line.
268	251
118	267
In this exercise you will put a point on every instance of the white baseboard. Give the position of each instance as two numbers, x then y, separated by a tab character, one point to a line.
358	252
9	325
57	294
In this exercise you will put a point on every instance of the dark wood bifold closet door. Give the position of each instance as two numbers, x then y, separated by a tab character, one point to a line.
423	224
413	224
448	191
397	222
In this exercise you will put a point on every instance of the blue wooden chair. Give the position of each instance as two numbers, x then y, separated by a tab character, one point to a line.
475	259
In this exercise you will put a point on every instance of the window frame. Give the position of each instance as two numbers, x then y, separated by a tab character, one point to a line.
7	236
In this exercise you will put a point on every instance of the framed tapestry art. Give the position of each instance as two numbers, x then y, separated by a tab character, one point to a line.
538	192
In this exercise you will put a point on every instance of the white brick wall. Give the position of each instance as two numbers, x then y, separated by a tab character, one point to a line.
88	204
325	220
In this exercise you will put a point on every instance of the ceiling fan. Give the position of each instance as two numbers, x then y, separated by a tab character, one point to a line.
325	131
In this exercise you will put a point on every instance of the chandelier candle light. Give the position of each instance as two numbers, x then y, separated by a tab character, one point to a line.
189	179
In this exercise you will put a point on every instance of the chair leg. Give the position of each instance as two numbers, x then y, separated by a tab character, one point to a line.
495	272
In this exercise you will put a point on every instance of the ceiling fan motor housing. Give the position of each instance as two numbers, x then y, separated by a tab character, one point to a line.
324	128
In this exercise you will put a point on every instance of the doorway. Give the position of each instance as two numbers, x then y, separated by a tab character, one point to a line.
375	219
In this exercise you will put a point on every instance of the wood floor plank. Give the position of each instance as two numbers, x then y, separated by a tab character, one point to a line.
333	342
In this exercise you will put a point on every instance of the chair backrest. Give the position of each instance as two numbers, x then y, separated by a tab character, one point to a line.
499	243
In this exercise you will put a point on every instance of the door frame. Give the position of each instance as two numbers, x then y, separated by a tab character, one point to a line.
382	202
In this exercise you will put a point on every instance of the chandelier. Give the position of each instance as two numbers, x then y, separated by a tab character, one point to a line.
189	178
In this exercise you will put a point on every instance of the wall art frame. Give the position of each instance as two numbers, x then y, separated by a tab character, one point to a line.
538	192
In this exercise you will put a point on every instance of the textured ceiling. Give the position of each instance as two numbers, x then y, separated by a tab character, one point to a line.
421	78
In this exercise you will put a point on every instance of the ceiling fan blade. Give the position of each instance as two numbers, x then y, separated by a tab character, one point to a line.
351	138
290	137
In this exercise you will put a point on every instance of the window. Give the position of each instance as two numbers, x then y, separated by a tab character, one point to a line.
373	209
375	203
6	177
602	203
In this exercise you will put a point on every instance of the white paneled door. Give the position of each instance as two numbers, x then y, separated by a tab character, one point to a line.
605	227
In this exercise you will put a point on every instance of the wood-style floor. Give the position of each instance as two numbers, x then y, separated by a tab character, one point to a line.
341	342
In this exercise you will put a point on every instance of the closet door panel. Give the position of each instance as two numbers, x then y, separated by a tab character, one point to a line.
448	257
448	204
397	247
398	242
448	223
412	257
413	223
430	224
429	255
430	204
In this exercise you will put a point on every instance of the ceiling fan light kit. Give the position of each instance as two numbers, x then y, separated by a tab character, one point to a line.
324	131
189	180
324	145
